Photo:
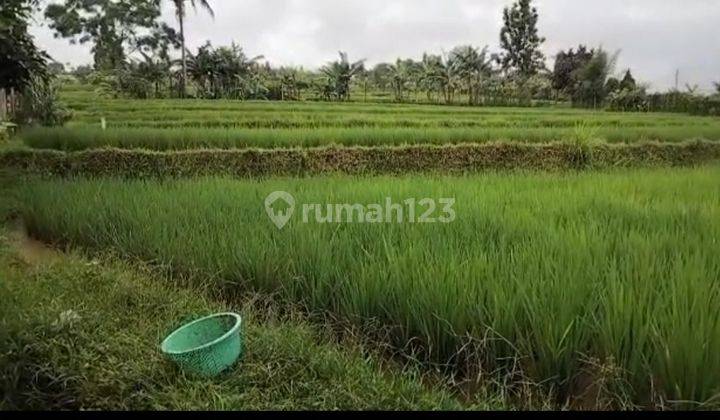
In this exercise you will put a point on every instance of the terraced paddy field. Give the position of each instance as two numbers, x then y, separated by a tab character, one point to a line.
581	261
177	125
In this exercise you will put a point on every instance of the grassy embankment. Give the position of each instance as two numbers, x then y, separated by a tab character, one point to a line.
79	333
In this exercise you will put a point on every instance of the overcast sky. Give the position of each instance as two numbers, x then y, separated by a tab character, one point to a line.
655	37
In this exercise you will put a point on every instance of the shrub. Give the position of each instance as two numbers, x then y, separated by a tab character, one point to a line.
675	101
628	100
6	129
40	105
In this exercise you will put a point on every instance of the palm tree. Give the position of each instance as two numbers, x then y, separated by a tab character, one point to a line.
224	72
180	13
448	79
691	89
471	66
290	83
340	74
400	75
430	77
202	68
154	70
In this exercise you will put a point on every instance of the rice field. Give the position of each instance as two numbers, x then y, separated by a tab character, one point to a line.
591	284
163	139
592	277
225	124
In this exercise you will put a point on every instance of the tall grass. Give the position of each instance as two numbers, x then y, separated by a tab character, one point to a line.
71	139
561	273
348	118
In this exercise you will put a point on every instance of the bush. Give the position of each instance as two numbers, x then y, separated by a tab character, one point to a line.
6	129
628	100
40	105
675	101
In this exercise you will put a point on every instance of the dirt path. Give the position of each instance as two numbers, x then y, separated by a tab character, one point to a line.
29	250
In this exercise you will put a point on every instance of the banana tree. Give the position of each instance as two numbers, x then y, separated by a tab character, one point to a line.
202	68
471	65
431	74
399	79
225	72
155	70
340	73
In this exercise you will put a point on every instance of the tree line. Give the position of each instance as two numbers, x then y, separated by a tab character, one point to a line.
134	55
131	57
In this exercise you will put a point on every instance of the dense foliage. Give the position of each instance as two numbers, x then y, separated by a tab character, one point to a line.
40	104
112	27
520	40
24	68
20	59
132	59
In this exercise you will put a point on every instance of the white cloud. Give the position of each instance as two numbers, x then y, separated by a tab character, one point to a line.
655	37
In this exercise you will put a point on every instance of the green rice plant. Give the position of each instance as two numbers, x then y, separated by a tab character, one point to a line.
546	273
71	139
299	118
177	124
584	138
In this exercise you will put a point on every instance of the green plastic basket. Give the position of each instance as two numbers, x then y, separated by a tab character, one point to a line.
206	346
